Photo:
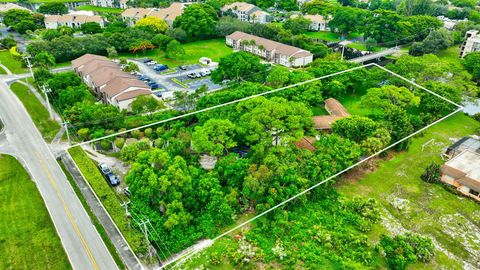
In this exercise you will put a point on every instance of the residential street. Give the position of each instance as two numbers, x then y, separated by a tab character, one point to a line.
21	138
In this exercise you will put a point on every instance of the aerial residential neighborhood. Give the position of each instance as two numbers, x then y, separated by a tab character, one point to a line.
305	134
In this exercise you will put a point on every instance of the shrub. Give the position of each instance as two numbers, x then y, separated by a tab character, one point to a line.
432	173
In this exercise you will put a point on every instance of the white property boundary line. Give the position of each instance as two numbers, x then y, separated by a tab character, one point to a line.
192	252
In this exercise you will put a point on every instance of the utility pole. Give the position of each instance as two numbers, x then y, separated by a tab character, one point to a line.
65	124
47	90
29	65
125	205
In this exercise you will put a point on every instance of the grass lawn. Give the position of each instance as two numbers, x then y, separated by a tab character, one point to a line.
28	239
212	48
450	54
37	111
324	35
100	9
11	63
452	221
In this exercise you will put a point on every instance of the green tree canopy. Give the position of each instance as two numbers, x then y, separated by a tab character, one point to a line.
56	8
216	136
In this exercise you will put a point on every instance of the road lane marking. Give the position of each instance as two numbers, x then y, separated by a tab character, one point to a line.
69	214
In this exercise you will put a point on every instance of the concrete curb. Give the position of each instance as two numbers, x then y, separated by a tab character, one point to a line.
118	240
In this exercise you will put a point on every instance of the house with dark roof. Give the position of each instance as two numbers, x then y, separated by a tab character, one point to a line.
109	82
270	50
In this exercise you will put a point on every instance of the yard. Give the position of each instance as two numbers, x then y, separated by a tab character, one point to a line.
429	209
37	111
100	9
27	235
212	48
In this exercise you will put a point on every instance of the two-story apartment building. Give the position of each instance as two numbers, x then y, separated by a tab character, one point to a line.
110	84
246	12
270	50
318	22
71	20
131	15
471	43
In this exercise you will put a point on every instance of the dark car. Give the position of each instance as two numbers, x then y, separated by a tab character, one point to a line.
160	67
183	67
112	179
146	60
154	86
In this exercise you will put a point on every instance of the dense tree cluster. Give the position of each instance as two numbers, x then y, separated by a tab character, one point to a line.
23	20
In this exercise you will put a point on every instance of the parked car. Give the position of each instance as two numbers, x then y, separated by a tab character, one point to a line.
154	86
202	74
104	169
192	75
183	67
112	179
207	71
198	75
160	67
146	60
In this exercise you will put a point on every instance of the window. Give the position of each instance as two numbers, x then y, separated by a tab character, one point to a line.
473	192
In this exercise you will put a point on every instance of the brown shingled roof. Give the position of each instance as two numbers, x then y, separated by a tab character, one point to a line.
306	143
94	65
119	85
105	74
324	122
82	60
335	108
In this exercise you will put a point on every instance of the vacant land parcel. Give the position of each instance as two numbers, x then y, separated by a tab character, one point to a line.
252	148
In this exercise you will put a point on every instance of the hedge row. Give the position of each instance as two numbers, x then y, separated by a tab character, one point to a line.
108	197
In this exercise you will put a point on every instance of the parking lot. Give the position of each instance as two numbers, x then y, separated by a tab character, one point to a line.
183	78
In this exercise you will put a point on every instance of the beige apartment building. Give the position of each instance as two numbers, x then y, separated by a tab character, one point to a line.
108	81
270	50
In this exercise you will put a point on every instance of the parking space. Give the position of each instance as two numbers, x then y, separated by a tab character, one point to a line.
182	78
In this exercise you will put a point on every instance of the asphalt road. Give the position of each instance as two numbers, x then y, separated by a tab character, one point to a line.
81	241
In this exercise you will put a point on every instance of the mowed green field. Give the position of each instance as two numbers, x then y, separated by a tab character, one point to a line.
212	48
28	239
429	209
